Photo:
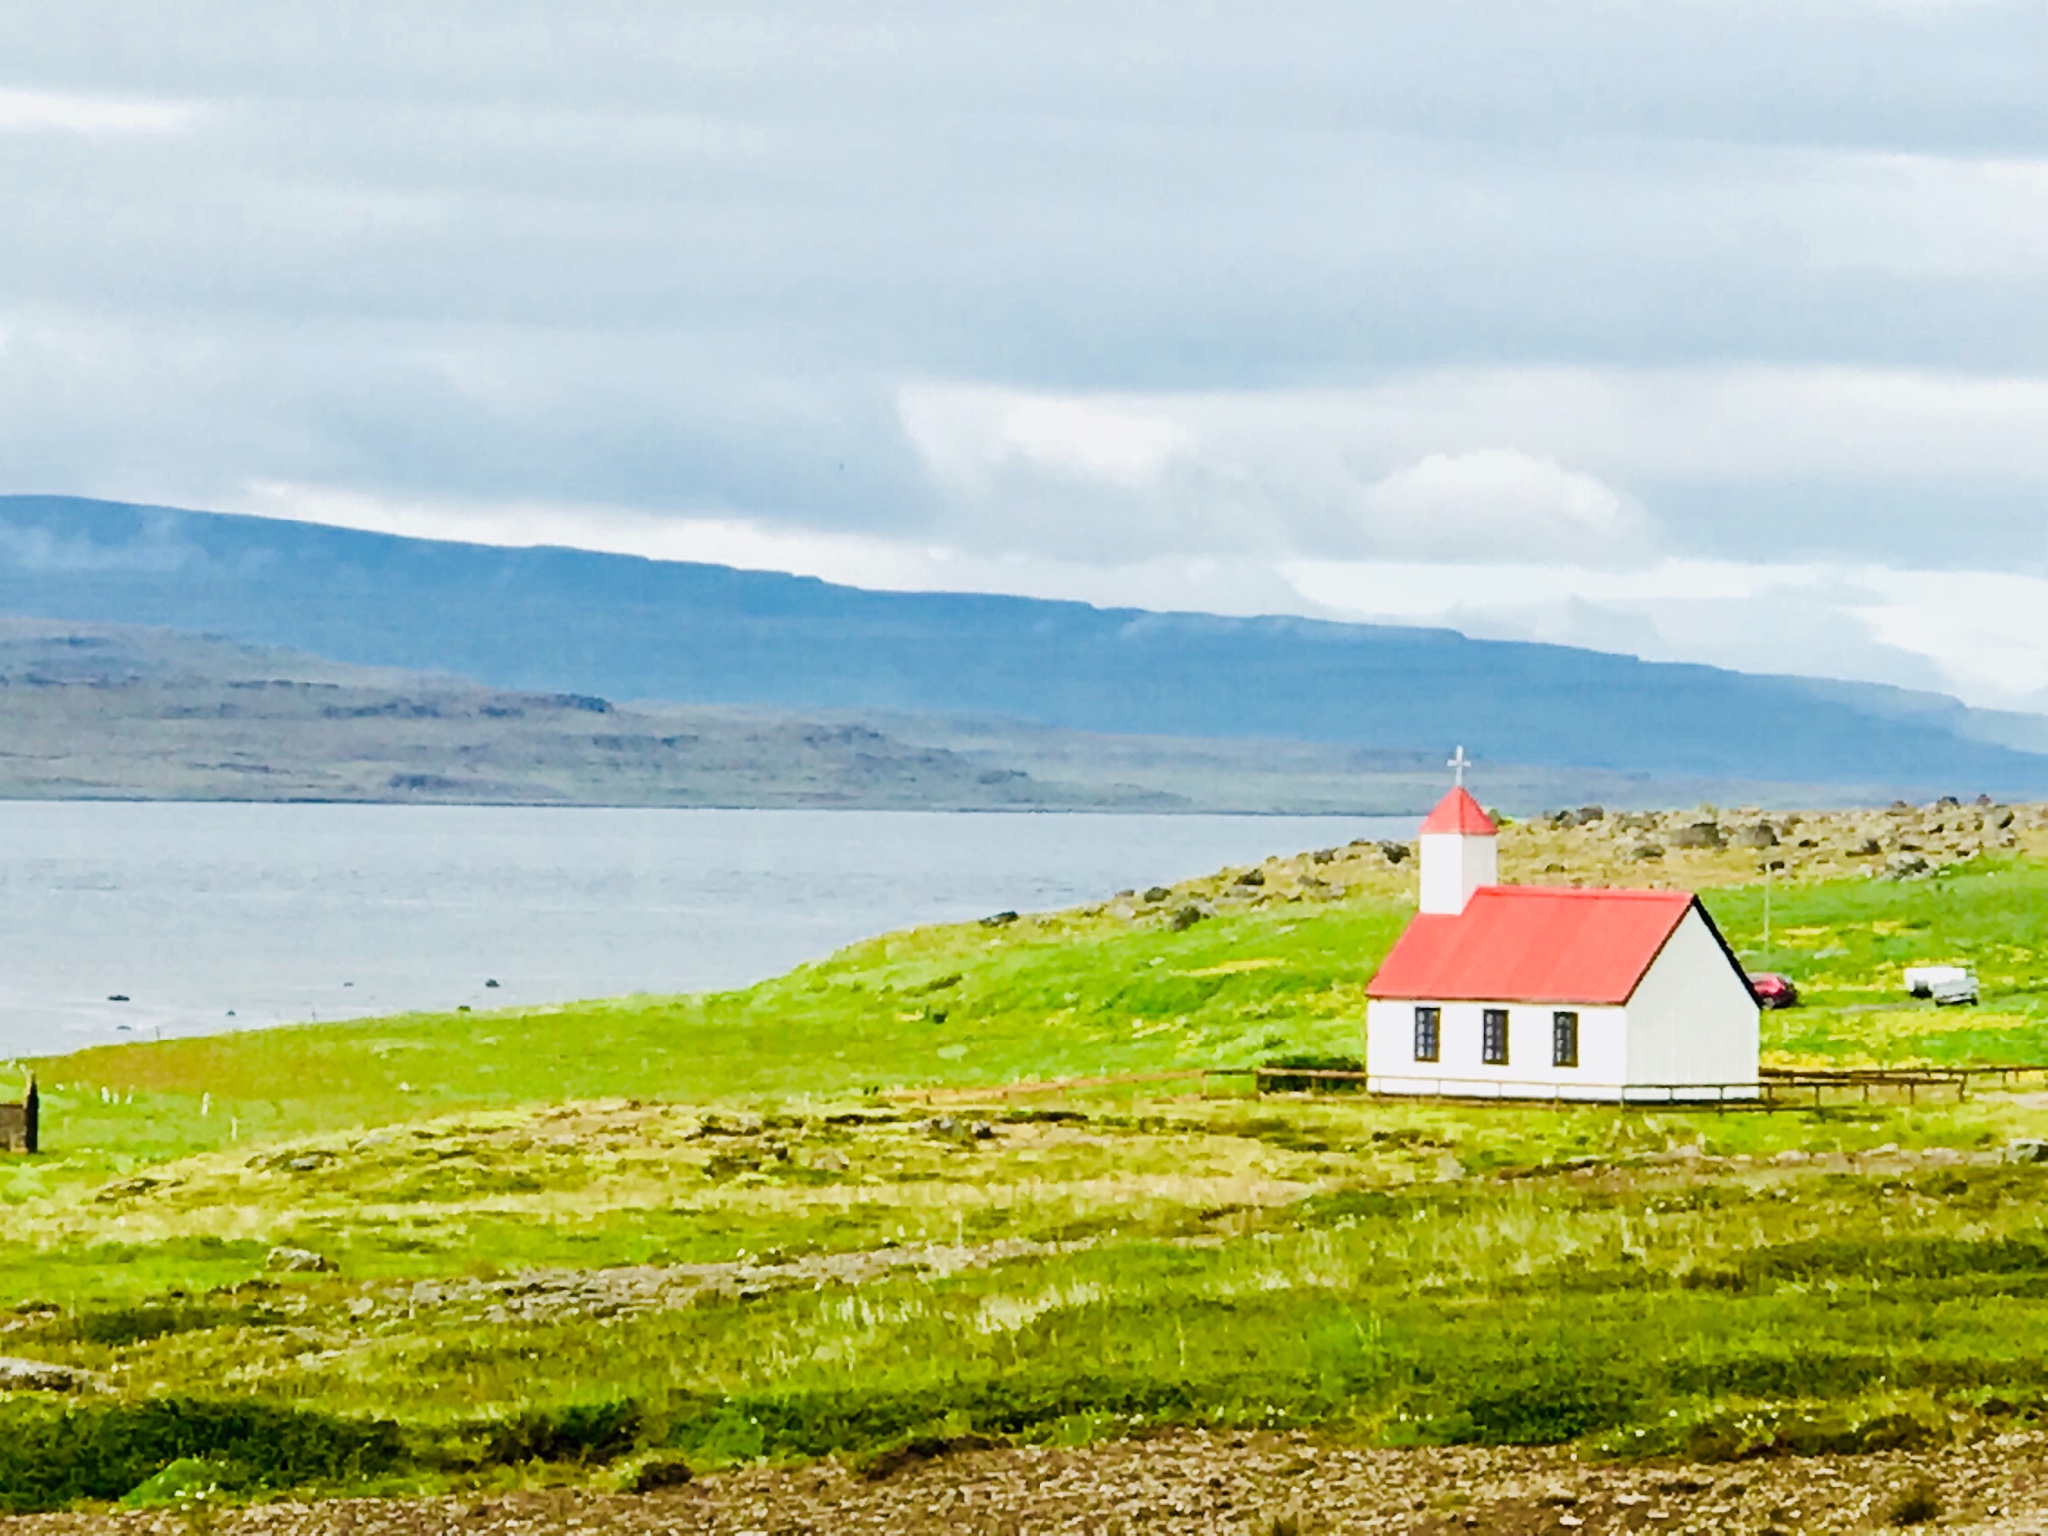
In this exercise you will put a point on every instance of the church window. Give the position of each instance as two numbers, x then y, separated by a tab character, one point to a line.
1564	1039
1494	1037
1428	1033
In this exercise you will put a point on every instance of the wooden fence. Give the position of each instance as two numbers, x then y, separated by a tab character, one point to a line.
1775	1088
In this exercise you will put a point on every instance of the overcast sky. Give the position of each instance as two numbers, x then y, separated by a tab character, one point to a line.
1692	329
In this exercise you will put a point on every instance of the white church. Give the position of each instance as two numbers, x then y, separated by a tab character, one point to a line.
1503	991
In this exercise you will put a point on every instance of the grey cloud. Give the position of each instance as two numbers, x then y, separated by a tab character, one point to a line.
194	415
1837	71
687	258
1755	633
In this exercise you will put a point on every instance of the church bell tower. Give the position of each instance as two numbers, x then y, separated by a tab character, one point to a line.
1459	849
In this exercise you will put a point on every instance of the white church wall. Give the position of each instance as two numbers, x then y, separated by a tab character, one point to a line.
1391	1066
1454	865
1692	1018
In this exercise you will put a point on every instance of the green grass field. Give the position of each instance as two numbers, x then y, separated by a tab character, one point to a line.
569	1239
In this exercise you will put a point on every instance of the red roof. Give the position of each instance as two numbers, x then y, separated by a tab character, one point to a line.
1520	943
1459	812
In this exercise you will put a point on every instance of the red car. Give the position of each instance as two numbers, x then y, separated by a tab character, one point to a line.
1773	991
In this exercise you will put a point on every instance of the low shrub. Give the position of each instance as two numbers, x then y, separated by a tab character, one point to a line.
583	1432
187	1478
52	1455
118	1327
1545	1407
1915	1504
1836	1429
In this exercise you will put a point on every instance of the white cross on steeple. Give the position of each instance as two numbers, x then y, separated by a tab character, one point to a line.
1458	763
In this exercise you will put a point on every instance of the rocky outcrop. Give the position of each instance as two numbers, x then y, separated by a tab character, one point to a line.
1695	849
40	1376
1711	846
298	1261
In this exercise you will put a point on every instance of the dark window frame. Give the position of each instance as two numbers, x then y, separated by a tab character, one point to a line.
1429	1032
1564	1038
1493	1037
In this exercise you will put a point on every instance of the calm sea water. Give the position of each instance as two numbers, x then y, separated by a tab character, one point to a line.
210	917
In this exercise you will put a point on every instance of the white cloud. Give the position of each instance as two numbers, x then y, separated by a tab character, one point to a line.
1975	634
1988	629
28	111
970	437
1736	421
1601	466
1985	216
1129	478
1068	436
1498	499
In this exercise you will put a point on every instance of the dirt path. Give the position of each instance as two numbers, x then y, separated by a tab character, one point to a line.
1265	1485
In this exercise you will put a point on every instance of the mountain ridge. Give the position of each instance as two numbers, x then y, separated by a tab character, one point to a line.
630	628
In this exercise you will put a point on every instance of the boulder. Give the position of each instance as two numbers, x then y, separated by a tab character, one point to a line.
1185	918
40	1376
2029	1150
1701	834
658	1472
1759	836
1157	893
298	1261
1646	851
1252	877
1394	852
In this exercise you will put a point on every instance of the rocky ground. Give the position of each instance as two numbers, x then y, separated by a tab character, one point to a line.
1899	842
1690	849
543	1295
1264	1485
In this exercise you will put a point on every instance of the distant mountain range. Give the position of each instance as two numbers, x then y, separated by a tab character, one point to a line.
95	712
127	712
570	621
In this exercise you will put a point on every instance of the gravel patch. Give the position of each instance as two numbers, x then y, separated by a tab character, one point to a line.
1264	1485
545	1295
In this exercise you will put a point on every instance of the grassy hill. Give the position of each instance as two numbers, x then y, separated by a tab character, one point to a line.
816	1216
